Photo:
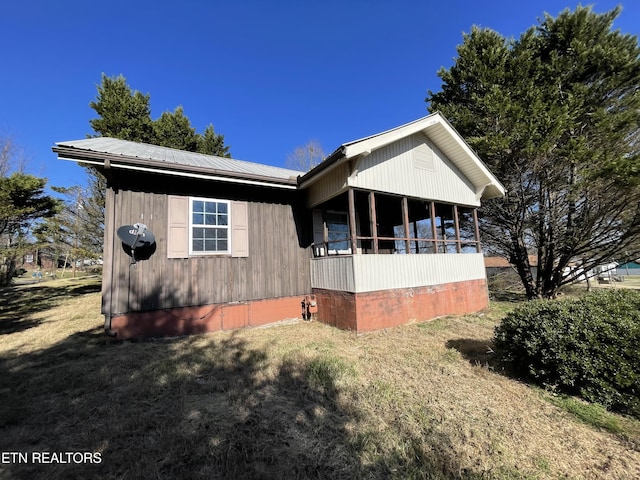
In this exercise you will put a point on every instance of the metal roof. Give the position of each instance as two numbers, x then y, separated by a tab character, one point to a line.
134	153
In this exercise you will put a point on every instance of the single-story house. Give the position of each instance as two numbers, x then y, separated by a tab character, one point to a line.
384	231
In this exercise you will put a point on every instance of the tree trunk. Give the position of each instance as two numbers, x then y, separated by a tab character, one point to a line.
521	260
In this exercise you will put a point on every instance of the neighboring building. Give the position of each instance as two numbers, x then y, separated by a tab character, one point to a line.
500	265
628	269
383	232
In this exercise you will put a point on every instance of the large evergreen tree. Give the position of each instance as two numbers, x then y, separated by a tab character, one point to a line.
126	114
555	115
174	130
211	143
123	113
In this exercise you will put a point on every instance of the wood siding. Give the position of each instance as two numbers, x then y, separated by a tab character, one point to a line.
412	167
277	264
368	273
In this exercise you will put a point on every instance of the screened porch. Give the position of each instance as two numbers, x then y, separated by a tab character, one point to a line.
367	222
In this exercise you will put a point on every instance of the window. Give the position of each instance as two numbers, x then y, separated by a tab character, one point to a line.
209	226
206	226
338	241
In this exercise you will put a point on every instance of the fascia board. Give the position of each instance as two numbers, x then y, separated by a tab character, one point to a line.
366	145
491	180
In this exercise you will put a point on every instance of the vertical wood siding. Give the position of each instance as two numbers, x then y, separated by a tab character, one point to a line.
277	264
393	169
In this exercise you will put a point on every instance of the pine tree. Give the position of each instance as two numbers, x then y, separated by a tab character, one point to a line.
124	113
22	203
555	115
174	130
211	143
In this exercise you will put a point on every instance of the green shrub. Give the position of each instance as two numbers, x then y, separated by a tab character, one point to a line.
588	346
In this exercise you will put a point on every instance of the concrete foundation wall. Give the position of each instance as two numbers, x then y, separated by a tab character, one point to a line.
205	318
367	311
360	312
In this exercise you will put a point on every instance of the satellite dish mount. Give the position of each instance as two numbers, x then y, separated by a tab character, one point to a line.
137	241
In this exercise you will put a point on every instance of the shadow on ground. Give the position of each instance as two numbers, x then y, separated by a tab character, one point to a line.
508	296
197	407
18	303
477	352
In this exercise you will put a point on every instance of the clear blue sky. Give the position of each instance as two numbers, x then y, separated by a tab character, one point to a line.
269	75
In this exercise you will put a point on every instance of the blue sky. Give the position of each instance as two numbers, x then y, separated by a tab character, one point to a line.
270	76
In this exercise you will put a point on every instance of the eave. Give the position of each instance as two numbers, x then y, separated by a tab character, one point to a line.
124	162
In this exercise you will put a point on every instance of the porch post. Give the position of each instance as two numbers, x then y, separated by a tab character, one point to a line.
456	224
405	222
476	230
373	220
352	220
434	230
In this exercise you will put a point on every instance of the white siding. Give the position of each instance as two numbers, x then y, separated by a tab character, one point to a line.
328	186
368	273
406	168
333	273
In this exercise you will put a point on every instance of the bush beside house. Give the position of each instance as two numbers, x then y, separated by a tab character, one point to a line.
587	346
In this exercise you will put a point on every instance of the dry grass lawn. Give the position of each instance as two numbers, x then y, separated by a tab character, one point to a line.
293	401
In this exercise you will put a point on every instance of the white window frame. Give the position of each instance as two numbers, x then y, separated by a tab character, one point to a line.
227	227
338	251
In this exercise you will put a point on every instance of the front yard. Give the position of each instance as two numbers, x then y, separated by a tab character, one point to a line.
300	400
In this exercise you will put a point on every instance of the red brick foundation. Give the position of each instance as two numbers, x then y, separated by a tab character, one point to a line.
206	318
363	312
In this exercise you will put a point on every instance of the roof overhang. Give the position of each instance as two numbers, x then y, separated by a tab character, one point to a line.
124	162
437	128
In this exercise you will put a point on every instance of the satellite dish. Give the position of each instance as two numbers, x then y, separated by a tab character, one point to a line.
137	241
136	235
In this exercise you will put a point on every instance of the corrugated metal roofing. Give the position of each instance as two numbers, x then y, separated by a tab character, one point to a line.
169	156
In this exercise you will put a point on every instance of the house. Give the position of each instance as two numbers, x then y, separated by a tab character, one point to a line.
382	232
500	265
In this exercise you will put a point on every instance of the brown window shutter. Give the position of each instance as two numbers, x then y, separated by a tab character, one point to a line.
239	229
178	227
